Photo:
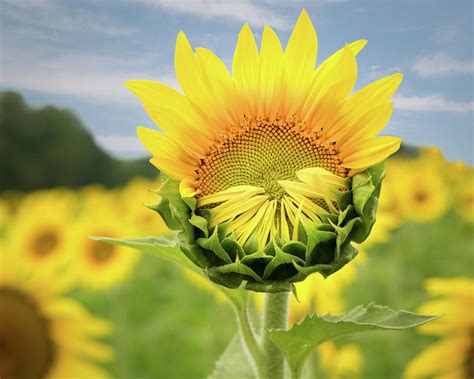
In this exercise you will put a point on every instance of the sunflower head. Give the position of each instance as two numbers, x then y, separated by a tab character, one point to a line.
271	173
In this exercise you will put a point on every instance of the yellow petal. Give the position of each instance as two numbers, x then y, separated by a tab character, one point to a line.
341	71
187	137
369	152
369	125
271	74
196	85
229	194
170	104
174	168
223	87
265	226
300	59
187	188
245	70
159	144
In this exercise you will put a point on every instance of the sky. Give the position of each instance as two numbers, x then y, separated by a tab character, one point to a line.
78	54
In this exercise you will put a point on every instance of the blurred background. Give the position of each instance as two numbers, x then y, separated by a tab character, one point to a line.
71	166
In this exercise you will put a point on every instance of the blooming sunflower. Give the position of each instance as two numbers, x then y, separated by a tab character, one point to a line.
424	196
276	165
453	355
42	333
43	243
100	265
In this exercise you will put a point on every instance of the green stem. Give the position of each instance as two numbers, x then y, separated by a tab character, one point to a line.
249	342
275	316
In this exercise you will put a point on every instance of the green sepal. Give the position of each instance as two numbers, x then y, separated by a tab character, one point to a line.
298	342
213	244
323	248
365	192
200	223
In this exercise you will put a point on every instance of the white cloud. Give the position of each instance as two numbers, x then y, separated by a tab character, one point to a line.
87	76
442	64
377	71
432	103
48	17
243	11
121	144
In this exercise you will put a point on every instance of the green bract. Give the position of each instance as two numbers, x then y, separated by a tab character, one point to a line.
323	248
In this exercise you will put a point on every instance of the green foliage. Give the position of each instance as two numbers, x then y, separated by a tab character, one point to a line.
49	147
298	342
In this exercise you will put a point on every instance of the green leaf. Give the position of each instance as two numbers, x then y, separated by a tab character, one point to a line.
298	342
233	363
163	247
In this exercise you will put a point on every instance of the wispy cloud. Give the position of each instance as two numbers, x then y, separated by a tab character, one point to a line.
121	144
87	76
51	16
432	103
377	71
442	64
243	11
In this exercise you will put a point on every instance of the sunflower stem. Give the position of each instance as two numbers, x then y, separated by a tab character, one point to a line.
275	316
249	342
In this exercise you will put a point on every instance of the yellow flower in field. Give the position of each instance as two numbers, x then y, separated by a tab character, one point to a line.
100	265
39	231
269	157
424	196
345	362
452	356
42	333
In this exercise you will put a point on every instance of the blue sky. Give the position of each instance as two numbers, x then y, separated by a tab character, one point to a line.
77	54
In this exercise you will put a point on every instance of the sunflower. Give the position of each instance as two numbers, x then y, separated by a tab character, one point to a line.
39	231
453	355
425	194
264	158
101	265
42	333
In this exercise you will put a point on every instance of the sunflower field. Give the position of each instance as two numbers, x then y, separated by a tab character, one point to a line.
105	311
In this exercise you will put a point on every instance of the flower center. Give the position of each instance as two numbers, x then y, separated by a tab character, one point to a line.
26	349
44	243
261	152
100	252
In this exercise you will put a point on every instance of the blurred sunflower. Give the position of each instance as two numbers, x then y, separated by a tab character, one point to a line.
101	265
39	231
42	333
345	362
424	196
453	355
